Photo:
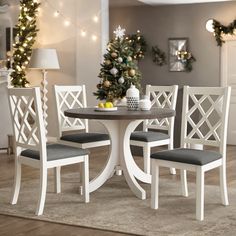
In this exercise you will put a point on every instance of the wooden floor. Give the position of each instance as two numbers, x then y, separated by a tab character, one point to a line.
18	226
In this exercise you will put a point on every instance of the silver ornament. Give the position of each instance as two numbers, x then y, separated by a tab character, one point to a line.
121	80
120	59
113	71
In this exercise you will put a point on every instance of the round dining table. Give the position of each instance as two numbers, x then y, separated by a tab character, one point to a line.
120	124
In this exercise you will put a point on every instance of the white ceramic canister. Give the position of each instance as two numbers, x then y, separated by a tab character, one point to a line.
132	96
145	103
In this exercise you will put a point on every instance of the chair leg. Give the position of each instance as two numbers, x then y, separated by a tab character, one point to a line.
85	179
43	189
146	159
17	182
81	177
155	185
184	185
57	176
200	194
170	147
223	186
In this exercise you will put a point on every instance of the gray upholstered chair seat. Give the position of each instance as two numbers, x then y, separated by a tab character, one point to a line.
56	152
149	136
85	137
188	156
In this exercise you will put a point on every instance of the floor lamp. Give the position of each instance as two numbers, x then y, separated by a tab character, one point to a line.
44	59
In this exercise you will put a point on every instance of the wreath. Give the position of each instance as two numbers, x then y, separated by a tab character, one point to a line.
158	56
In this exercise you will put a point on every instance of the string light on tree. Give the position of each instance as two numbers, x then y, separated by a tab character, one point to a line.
26	31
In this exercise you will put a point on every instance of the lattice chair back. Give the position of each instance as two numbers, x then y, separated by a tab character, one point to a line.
70	97
205	116
27	119
161	97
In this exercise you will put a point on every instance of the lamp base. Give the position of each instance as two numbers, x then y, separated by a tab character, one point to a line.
44	92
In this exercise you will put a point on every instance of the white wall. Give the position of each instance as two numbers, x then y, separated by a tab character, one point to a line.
7	19
79	58
89	52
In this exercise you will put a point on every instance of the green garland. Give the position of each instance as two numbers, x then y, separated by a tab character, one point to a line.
158	56
220	29
26	32
138	44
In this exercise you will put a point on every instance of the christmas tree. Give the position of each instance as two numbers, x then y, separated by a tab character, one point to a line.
119	69
26	33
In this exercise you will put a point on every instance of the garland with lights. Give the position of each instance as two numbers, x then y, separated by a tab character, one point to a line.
158	56
138	44
26	32
220	29
119	69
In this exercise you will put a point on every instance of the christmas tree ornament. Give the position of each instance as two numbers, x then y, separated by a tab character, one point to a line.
120	33
114	55
132	96
107	62
120	59
121	80
113	71
99	86
132	72
129	58
107	84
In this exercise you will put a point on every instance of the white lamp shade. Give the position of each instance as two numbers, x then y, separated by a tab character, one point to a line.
44	58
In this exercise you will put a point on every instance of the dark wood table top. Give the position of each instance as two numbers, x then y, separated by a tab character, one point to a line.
121	114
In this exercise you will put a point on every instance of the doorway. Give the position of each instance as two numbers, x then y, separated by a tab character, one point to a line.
228	78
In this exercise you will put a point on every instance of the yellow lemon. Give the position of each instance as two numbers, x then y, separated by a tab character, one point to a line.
108	105
100	105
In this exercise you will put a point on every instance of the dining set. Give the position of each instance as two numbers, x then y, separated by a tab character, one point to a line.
204	122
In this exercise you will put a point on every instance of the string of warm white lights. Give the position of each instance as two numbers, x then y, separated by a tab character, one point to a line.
84	31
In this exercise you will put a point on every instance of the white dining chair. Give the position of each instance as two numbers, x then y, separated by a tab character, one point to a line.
153	134
31	147
211	104
72	97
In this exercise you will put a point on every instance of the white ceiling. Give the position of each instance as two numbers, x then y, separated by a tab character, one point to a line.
127	3
161	2
119	3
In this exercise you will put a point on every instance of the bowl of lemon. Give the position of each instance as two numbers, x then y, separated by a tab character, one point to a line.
105	106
